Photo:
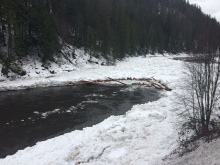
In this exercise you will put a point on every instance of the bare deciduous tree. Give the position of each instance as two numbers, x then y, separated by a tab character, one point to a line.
203	92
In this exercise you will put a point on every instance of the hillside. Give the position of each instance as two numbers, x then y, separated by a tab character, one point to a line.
110	28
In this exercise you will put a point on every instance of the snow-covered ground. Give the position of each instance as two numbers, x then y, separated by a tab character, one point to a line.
83	67
143	136
206	154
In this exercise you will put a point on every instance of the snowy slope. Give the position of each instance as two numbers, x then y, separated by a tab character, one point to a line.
206	154
144	135
38	73
137	67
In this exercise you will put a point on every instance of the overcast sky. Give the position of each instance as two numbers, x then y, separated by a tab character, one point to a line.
211	7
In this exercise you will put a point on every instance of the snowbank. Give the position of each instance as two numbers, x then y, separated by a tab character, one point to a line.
81	69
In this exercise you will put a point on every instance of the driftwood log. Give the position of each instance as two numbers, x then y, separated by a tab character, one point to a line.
165	86
141	82
117	81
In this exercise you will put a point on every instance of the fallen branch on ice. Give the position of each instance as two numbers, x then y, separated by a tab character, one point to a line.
146	82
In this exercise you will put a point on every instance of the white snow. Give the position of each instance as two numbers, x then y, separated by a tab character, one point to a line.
206	154
143	136
137	67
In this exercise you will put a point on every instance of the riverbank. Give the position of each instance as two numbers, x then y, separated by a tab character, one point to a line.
137	67
144	135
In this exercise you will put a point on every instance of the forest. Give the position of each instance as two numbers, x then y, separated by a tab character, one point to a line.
111	28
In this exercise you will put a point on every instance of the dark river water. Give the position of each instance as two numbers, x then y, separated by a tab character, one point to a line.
29	116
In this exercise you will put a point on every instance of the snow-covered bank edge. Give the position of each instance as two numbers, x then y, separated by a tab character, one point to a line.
39	73
79	66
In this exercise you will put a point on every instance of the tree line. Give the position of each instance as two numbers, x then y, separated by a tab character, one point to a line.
27	26
113	28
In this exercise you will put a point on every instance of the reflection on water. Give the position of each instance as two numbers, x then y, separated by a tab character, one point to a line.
29	116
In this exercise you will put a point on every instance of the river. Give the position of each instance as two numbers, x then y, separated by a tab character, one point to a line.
32	115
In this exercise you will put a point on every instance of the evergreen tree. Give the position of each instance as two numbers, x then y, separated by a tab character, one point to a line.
105	27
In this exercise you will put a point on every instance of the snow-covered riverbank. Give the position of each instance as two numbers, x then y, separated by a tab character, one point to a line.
138	67
144	135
